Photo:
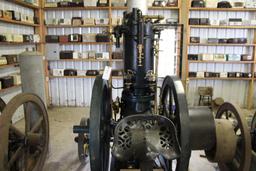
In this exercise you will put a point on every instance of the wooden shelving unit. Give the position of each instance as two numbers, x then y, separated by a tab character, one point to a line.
249	45
109	28
37	30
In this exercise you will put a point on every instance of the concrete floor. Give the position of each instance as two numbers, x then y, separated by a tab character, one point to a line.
63	150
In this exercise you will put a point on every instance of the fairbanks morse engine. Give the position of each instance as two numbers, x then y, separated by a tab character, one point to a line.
139	137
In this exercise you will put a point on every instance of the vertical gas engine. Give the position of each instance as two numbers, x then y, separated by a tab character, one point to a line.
141	138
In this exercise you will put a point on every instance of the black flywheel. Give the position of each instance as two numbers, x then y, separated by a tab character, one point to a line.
173	105
24	145
99	127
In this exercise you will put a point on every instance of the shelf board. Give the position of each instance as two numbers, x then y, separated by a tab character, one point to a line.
25	4
18	22
219	44
71	26
9	66
222	62
222	9
75	8
86	43
163	8
218	78
223	27
150	8
10	88
17	43
119	8
83	60
52	77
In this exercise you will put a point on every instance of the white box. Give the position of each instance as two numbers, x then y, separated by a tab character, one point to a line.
116	21
89	21
9	37
89	37
200	74
17	38
75	55
211	3
207	57
81	72
214	22
58	72
219	57
90	3
23	17
223	75
84	55
203	40
16	79
105	55
36	38
224	22
51	4
253	22
91	54
3	61
238	4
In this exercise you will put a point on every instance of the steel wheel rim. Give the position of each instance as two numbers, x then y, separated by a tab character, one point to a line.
100	115
224	111
35	139
174	86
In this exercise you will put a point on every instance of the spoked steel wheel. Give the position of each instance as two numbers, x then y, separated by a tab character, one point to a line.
174	106
99	128
242	158
24	147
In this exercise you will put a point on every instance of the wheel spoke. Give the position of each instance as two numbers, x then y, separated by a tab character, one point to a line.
15	156
37	125
27	109
34	138
17	131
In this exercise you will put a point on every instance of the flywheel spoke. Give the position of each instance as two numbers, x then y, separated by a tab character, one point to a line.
16	131
16	155
37	125
34	138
